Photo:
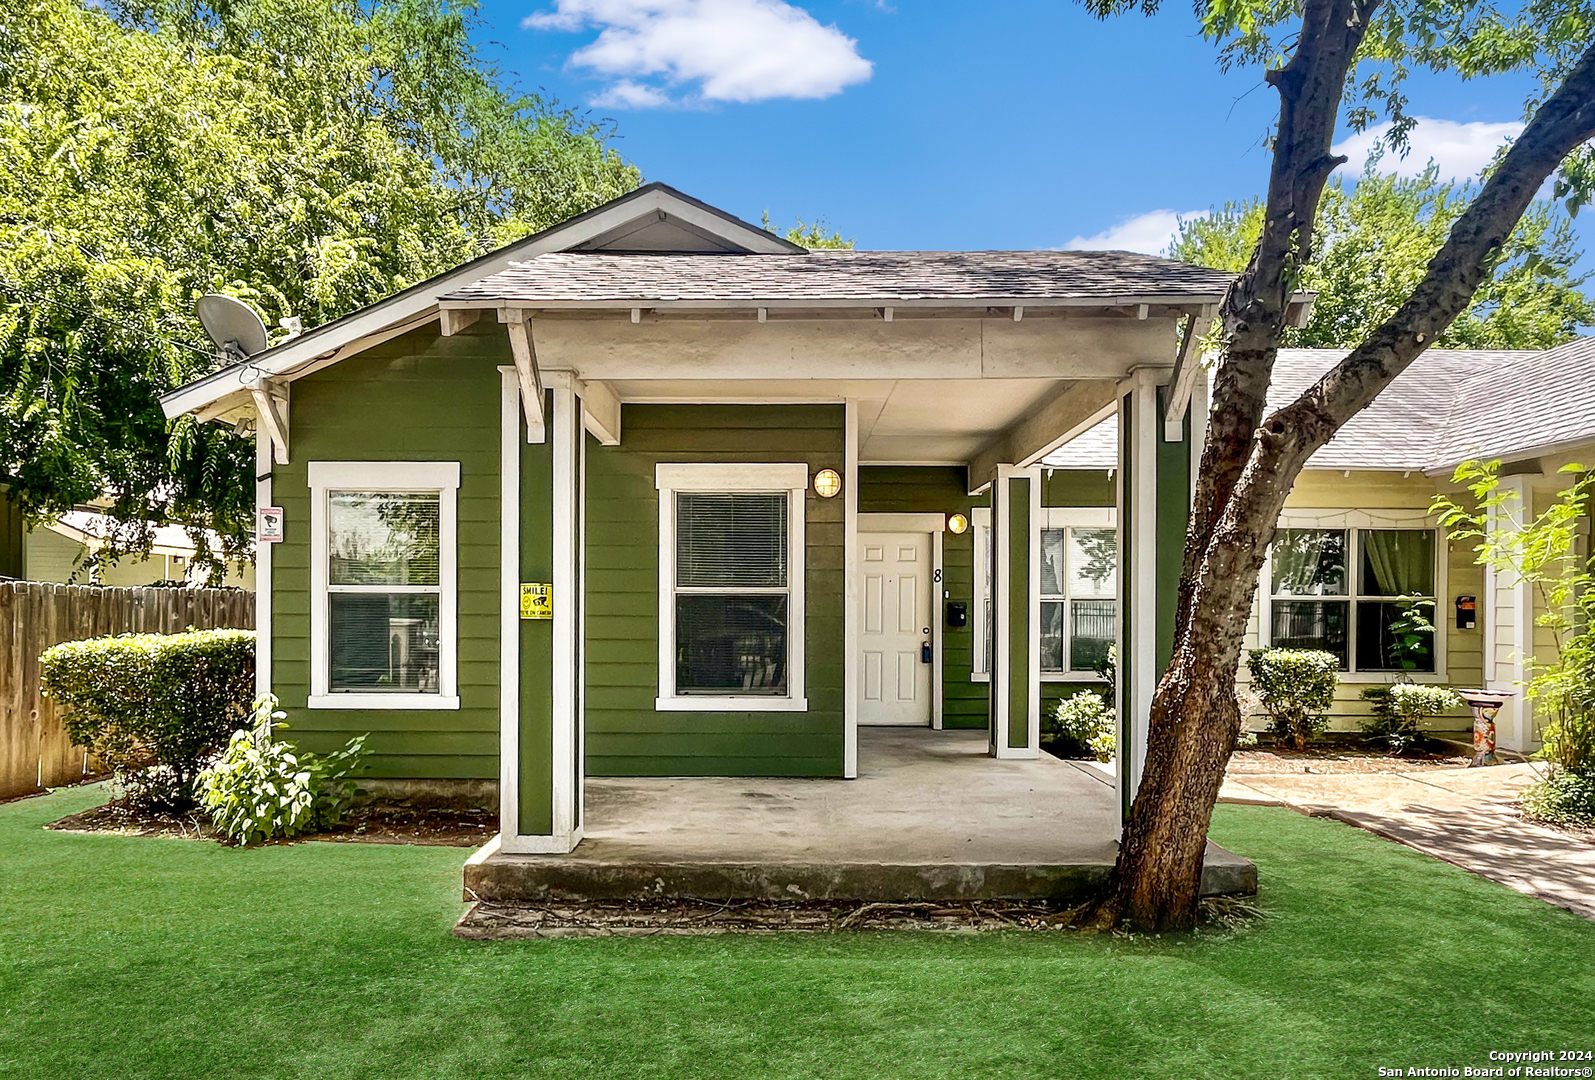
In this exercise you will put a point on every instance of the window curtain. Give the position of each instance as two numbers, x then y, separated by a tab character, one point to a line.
1397	562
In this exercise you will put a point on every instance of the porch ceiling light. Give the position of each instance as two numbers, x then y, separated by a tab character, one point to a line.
957	523
827	482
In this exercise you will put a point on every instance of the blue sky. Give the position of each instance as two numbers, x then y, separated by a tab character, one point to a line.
915	124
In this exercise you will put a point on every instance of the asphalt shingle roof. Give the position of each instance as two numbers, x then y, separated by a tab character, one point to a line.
1450	405
839	275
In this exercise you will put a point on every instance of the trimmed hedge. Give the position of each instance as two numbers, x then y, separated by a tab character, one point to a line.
1297	687
171	698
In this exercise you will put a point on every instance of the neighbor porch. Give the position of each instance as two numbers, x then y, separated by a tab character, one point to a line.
930	816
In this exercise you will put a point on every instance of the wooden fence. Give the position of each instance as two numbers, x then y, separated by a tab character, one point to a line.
34	749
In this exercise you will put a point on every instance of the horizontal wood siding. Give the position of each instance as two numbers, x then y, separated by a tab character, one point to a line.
419	397
625	735
939	489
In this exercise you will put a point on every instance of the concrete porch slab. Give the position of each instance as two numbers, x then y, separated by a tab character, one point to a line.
930	817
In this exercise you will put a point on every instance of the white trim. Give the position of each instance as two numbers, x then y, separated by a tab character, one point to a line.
732	476
936	526
851	591
789	477
442	477
1142	666
509	619
1033	597
979	521
565	429
263	594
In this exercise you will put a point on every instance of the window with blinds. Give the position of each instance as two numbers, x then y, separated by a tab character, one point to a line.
732	593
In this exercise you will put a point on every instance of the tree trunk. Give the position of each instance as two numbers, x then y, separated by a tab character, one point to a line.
1248	466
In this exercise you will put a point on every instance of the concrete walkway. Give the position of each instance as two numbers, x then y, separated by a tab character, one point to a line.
930	816
1464	816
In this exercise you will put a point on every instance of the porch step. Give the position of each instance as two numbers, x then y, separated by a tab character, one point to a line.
492	875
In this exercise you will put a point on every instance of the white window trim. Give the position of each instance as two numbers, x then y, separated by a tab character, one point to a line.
979	521
789	477
1077	517
1356	520
442	477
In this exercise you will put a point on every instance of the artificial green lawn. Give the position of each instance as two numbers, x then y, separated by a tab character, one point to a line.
124	958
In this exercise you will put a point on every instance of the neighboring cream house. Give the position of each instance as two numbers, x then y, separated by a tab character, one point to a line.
57	551
1357	532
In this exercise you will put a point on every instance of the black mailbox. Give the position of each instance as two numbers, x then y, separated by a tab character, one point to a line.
957	613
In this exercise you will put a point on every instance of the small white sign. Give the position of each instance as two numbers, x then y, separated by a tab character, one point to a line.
268	529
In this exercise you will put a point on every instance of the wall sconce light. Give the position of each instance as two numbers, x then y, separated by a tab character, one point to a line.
827	482
957	523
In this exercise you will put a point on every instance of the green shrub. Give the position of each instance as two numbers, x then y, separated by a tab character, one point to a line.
1296	688
261	790
153	707
1082	725
1563	798
1399	709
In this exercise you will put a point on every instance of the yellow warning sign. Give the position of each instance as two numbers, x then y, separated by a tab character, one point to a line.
537	600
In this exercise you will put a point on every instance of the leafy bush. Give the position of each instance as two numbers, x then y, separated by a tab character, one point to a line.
1399	709
261	790
1296	688
1083	725
1563	798
170	699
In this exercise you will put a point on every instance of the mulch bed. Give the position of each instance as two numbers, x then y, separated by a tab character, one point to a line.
1333	758
373	824
490	921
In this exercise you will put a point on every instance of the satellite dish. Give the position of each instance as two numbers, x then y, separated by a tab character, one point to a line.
232	325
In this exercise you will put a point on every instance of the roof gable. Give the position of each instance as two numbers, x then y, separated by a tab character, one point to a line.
654	214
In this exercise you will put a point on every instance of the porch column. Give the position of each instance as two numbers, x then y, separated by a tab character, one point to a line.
1508	604
1015	686
1154	484
541	660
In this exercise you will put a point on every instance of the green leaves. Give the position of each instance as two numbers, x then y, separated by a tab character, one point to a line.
308	156
1375	240
1296	687
170	697
258	791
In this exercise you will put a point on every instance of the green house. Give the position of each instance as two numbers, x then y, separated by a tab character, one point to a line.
656	492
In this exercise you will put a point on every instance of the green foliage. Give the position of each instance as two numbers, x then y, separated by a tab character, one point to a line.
815	234
1412	633
261	790
1296	687
1542	549
170	699
1083	726
308	156
1375	240
1399	709
1565	797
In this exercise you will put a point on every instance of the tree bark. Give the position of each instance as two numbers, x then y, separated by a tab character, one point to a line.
1249	467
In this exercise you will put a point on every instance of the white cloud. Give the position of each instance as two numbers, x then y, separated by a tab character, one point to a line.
626	94
722	50
1459	151
1148	233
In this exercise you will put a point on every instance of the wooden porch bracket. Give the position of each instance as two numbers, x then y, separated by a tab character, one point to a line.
271	406
519	323
601	412
453	320
1187	366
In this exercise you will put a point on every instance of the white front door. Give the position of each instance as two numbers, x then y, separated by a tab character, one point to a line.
894	677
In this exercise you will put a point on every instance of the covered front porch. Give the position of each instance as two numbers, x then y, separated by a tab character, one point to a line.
930	816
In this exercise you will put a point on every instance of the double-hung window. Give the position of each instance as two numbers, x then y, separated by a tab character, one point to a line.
984	656
382	574
1079	578
1361	593
731	586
